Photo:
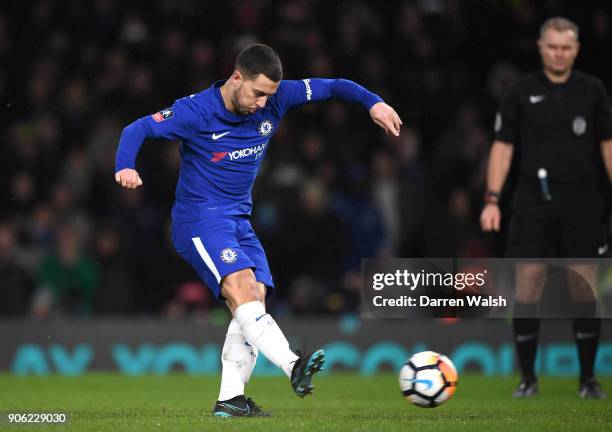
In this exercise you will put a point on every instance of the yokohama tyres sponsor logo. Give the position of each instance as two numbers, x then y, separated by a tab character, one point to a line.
256	151
246	152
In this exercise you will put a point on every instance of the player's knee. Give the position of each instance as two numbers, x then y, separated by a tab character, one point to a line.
241	287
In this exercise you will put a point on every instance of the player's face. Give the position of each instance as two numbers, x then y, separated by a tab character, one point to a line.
558	50
252	95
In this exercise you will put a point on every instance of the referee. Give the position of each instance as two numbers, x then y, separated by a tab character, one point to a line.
558	120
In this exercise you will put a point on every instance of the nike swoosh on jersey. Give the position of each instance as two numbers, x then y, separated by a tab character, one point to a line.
427	382
535	99
216	137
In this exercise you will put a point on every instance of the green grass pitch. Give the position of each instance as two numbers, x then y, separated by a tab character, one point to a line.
342	402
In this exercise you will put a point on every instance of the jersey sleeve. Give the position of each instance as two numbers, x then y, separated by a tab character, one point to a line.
292	93
603	113
507	117
176	122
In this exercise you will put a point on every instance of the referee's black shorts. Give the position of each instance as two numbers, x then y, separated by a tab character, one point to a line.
569	226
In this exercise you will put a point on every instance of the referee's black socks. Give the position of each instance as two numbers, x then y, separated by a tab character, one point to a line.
526	332
586	332
587	329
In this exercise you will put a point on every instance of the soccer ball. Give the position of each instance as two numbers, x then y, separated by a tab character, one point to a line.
428	379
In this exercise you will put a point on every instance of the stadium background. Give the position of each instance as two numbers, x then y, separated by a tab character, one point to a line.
333	187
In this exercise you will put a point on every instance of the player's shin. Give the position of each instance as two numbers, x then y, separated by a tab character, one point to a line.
238	360
262	331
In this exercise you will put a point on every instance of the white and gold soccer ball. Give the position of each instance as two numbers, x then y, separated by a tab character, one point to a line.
428	379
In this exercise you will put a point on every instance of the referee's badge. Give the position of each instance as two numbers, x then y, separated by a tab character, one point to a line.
229	255
579	125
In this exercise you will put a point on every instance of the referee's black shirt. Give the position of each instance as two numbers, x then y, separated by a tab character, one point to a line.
556	126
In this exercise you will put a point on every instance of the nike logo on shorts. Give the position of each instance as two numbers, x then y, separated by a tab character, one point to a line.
602	249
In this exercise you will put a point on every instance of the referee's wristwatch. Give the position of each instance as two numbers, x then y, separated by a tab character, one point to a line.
491	197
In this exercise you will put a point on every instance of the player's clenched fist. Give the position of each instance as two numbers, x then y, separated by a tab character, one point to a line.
386	117
128	178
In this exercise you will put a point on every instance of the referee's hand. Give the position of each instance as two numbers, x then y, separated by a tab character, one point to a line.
128	178
490	217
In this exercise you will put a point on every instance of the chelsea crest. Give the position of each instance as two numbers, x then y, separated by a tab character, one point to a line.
265	127
229	255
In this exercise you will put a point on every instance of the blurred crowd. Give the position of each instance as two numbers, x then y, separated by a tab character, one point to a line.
333	188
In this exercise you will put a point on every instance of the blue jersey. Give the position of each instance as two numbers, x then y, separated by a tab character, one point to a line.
222	151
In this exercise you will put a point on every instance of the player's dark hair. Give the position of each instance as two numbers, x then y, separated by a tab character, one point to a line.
259	59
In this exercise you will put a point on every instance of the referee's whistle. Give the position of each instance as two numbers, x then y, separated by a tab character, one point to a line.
543	177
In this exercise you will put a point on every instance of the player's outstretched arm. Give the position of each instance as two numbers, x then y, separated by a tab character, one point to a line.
386	117
128	178
296	93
